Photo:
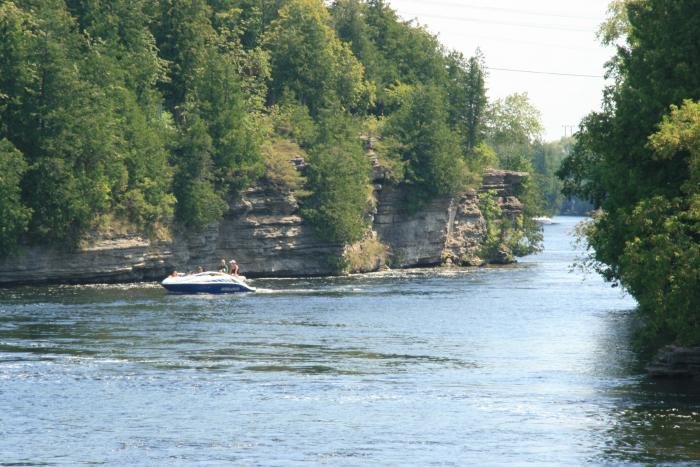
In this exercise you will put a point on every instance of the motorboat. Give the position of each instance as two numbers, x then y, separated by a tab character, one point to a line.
206	282
543	220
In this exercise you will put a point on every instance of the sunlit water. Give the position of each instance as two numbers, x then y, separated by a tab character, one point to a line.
523	364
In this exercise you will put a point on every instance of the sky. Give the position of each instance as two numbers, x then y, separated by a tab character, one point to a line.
535	36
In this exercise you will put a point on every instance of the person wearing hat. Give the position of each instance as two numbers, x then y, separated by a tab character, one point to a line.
233	267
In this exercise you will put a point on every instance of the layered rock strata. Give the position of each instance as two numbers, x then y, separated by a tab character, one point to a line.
676	362
265	233
446	230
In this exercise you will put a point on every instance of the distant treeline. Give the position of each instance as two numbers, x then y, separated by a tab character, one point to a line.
147	115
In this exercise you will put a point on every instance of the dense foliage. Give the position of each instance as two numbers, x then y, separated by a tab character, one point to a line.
638	160
150	115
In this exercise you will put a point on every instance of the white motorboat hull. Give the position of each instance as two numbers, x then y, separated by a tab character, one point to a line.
206	282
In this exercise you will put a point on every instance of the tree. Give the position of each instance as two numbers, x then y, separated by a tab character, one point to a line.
350	22
546	160
467	98
123	61
14	215
339	178
199	204
310	62
65	126
513	125
434	165
205	93
184	36
635	161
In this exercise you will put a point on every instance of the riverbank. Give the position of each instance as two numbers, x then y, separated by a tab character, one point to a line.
526	364
266	234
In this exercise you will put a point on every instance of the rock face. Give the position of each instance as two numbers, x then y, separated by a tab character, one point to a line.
115	260
266	236
446	230
264	232
413	240
676	362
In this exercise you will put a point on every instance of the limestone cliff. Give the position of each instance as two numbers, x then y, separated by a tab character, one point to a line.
446	230
264	232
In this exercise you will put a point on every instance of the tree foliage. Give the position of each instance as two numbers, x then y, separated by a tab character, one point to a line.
339	175
152	114
14	216
310	62
637	161
434	165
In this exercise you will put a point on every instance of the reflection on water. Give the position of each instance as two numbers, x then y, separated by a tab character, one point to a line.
525	364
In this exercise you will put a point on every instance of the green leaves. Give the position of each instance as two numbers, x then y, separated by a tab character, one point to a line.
434	163
14	215
638	161
310	62
339	178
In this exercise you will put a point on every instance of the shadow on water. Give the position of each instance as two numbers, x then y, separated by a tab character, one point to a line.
647	420
654	421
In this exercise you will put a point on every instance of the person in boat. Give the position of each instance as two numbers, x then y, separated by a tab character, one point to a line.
233	267
199	269
223	267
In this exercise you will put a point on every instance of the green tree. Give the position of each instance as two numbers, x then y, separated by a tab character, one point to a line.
339	179
350	22
647	236
310	62
65	125
467	98
198	203
205	87
434	165
184	36
513	125
14	216
546	160
122	60
236	142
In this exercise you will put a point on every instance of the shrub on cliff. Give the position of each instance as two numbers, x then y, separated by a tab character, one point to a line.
507	235
280	171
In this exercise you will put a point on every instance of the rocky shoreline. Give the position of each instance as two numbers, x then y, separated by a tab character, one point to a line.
265	233
676	362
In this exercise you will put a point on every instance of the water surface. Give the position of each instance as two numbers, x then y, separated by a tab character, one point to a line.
524	364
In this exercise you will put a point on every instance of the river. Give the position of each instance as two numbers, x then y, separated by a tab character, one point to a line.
526	364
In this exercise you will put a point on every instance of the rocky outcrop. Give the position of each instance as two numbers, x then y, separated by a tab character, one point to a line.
446	230
676	362
125	259
265	233
466	232
413	239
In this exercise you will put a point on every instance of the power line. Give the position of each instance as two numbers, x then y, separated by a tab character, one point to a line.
505	23
537	72
511	10
523	42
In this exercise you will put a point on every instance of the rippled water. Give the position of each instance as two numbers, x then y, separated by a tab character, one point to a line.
525	364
